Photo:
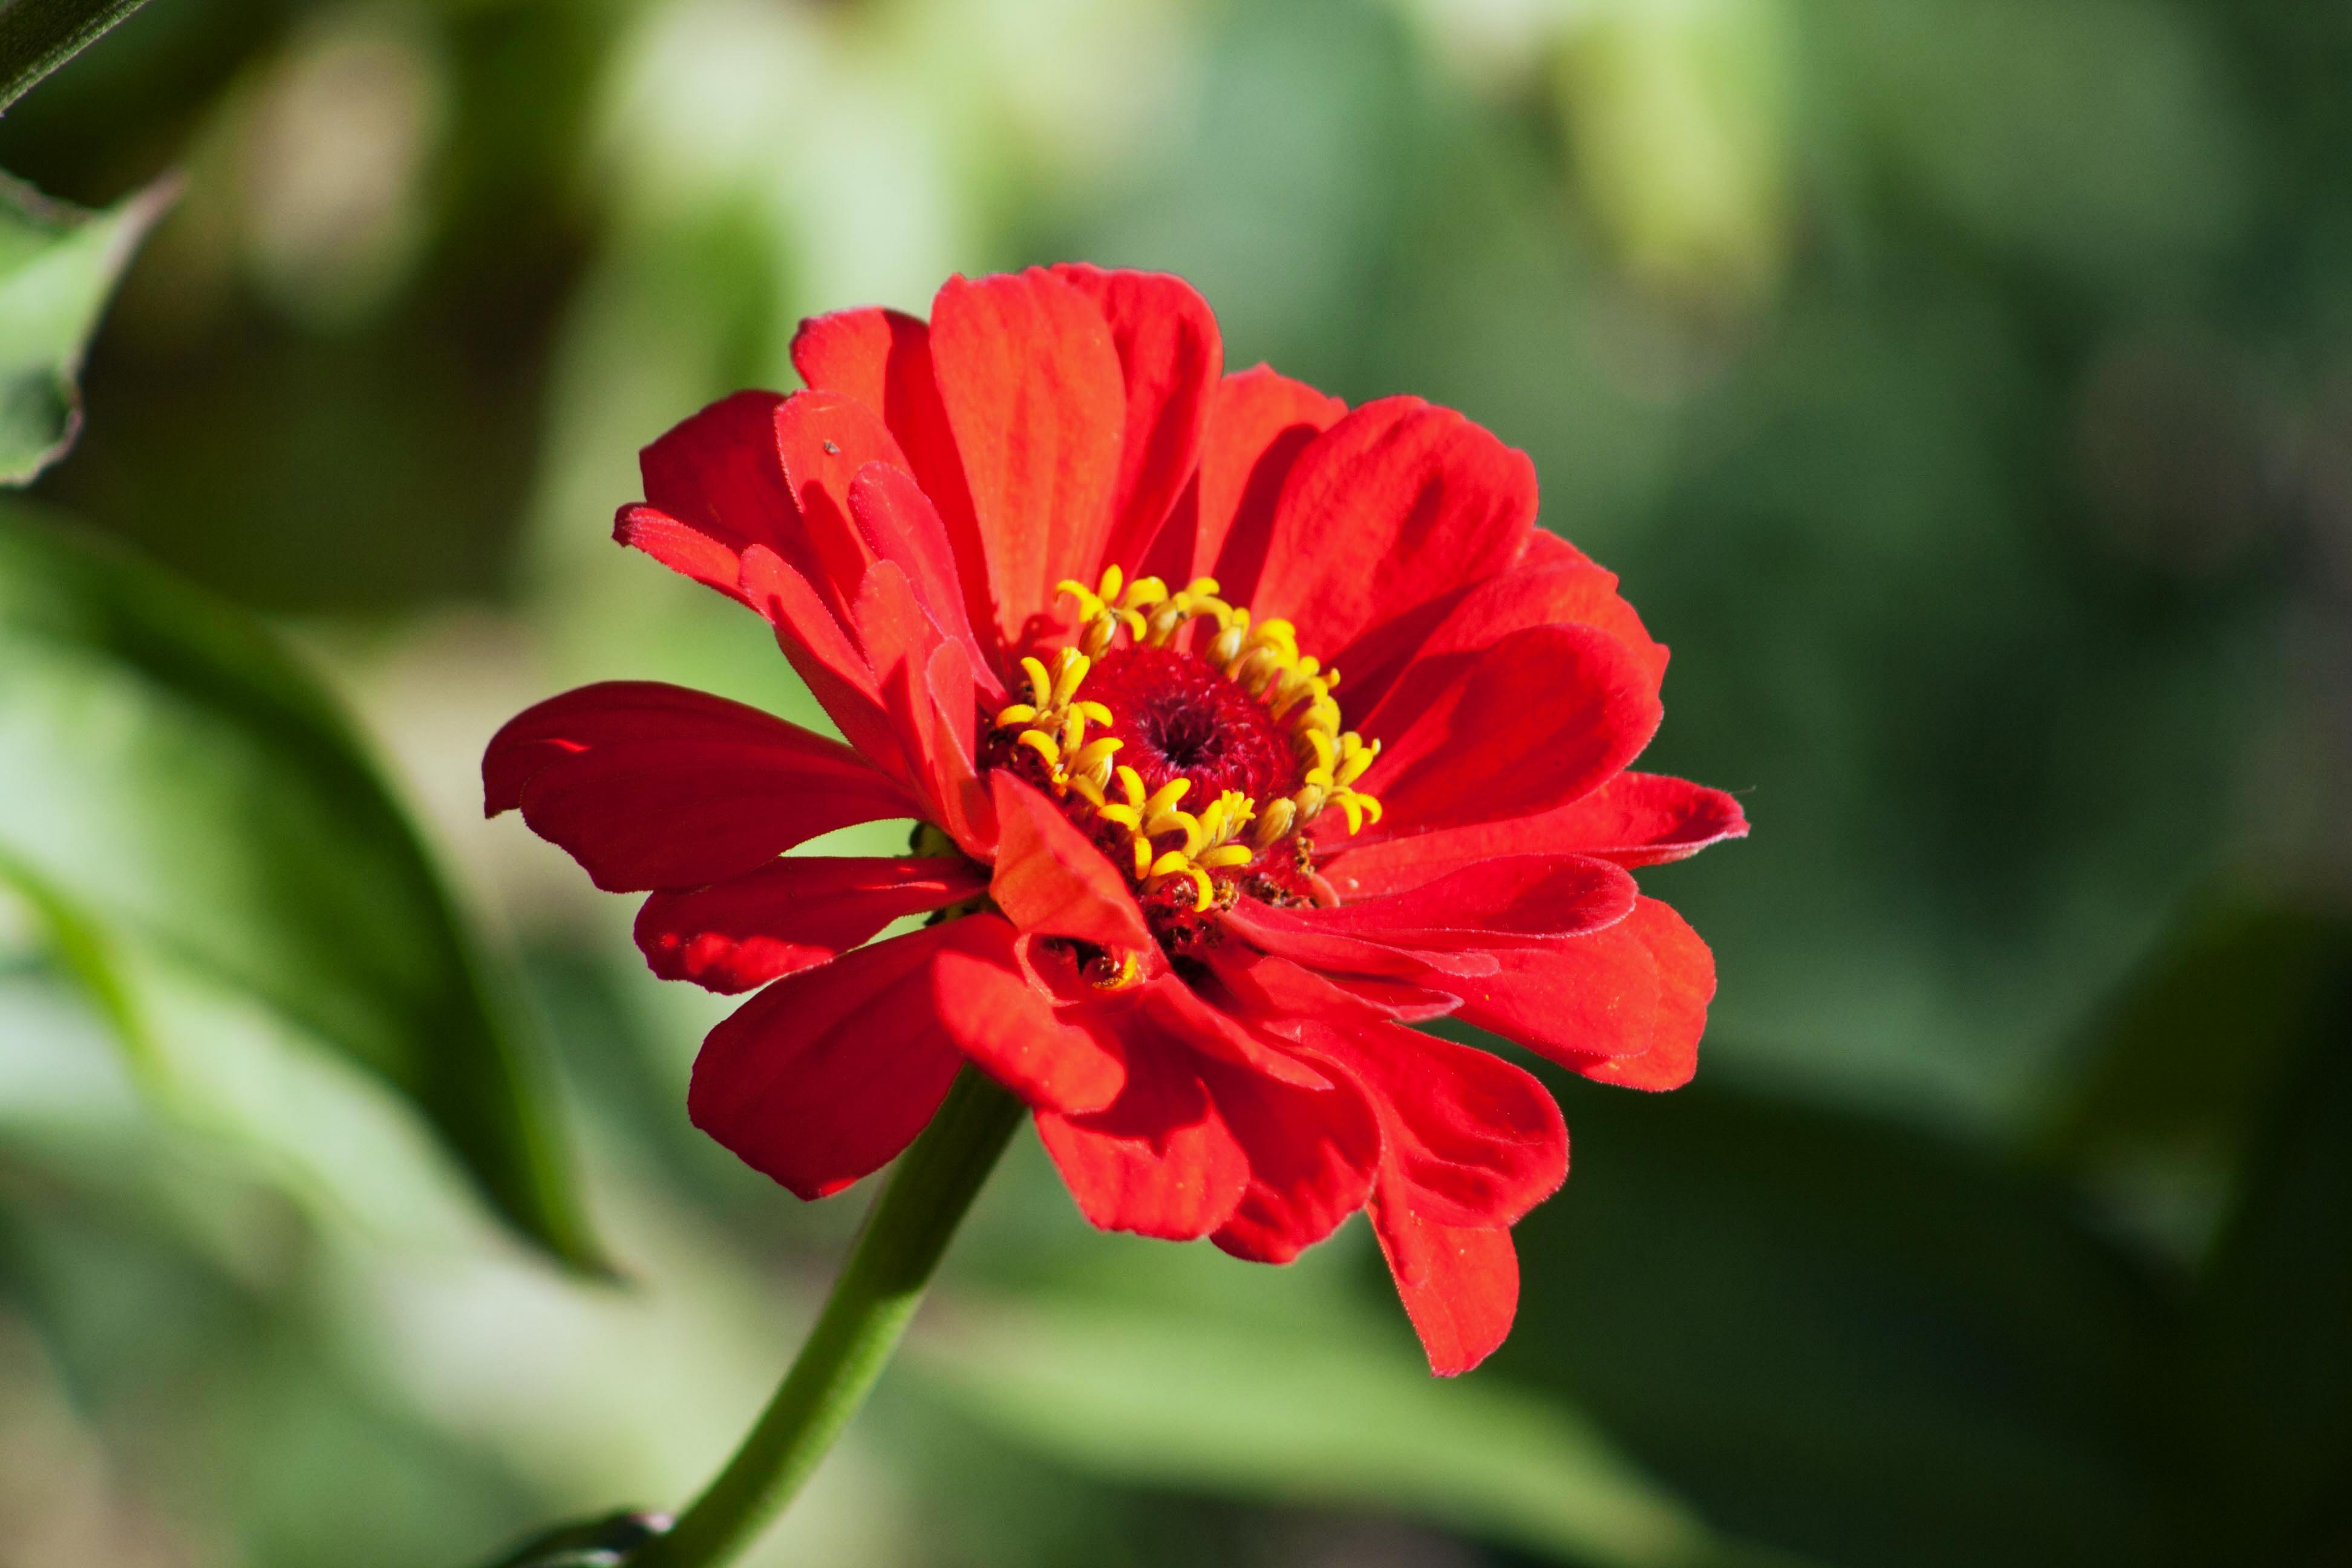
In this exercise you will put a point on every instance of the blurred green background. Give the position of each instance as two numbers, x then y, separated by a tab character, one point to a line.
1963	389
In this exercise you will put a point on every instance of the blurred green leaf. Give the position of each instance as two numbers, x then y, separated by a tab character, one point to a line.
2274	1317
1848	1337
1317	1412
2186	1057
177	782
57	265
37	37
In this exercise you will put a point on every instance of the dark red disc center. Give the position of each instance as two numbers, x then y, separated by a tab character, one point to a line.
1184	718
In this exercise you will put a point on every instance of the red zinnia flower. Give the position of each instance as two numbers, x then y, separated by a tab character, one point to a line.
1010	551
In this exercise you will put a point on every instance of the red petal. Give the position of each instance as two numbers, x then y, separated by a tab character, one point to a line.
1057	1058
1287	933
1311	1155
825	1076
791	914
1397	504
1479	615
1259	422
683	548
1635	819
1506	902
1035	393
1543	716
649	786
1159	1161
1275	989
883	359
823	439
928	702
1460	1284
1170	356
1544	549
1625	1005
822	653
1184	1014
897	523
1051	878
718	473
1471	1139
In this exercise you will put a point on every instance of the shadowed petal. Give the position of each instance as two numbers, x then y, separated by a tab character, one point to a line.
793	914
1258	424
1470	1139
1540	718
1398	503
1170	356
827	1074
1160	1160
1460	1284
649	786
1635	819
883	359
1050	878
1058	1058
1626	1005
1311	1156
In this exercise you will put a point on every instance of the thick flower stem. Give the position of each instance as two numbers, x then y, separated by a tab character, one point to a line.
879	1289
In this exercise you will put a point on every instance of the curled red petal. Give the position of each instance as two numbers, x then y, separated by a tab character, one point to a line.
1032	389
793	914
1158	1161
1471	1139
1554	593
1505	900
649	786
1058	1058
1287	933
1633	819
1398	503
686	549
924	681
883	359
1460	1284
1170	356
1626	1005
826	1075
823	439
1538	719
896	522
1272	989
1311	1153
718	473
823	654
1050	878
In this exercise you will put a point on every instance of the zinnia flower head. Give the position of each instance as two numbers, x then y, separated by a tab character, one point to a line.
1243	730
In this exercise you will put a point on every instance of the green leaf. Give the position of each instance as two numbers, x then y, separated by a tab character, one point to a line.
37	37
1321	1412
176	783
2189	1053
57	267
1849	1337
2273	1327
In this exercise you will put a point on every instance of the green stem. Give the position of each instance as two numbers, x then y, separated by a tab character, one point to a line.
877	1292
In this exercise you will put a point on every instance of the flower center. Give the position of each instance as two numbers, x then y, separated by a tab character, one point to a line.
1178	716
1193	745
